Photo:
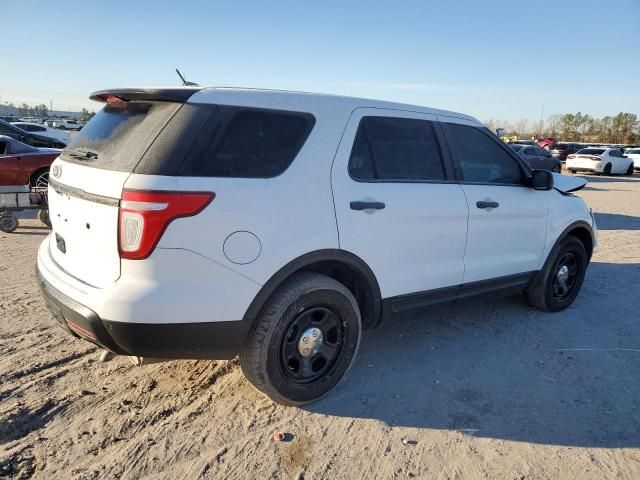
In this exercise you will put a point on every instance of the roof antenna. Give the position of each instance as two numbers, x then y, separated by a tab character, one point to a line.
185	82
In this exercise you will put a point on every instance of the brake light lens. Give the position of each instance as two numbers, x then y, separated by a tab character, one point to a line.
145	214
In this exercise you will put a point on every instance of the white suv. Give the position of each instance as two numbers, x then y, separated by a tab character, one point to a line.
211	222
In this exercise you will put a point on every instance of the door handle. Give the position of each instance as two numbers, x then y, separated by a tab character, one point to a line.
357	205
487	204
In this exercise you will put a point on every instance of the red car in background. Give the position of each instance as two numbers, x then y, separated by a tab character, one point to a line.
546	142
22	164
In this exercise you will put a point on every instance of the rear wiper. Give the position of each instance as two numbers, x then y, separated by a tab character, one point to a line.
81	154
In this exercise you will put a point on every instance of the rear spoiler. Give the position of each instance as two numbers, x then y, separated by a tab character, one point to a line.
176	94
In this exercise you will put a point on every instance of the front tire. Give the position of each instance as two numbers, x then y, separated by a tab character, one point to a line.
557	285
304	340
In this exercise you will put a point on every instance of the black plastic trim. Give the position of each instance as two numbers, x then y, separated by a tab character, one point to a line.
209	340
495	287
179	95
372	300
79	193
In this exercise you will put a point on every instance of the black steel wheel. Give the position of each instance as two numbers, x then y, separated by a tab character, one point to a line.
304	341
564	275
312	343
557	285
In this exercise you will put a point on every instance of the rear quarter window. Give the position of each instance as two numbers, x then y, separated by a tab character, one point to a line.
240	142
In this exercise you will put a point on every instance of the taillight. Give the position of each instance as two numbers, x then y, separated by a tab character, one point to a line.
145	214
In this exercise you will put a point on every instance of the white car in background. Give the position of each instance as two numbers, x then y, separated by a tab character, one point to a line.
634	155
44	131
600	160
64	124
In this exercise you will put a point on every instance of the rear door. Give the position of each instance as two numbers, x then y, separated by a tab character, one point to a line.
507	219
397	205
86	185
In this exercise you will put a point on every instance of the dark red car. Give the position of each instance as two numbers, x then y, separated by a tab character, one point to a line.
546	142
22	164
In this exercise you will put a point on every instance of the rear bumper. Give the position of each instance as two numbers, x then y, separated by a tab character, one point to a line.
212	340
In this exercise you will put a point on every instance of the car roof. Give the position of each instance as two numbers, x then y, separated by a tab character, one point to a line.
26	123
287	98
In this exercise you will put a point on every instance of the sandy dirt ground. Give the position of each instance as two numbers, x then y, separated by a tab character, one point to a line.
485	390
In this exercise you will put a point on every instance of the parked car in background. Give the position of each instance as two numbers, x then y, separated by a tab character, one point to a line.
29	138
600	160
547	142
64	124
537	157
634	155
158	248
45	131
22	164
561	150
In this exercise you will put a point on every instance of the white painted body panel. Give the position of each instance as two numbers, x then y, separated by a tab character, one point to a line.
506	240
89	229
171	286
563	210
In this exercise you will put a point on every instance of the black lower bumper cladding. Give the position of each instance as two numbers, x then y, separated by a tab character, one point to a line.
209	340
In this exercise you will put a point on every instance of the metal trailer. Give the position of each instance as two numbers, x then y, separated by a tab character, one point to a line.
18	198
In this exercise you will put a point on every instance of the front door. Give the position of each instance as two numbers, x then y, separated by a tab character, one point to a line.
507	219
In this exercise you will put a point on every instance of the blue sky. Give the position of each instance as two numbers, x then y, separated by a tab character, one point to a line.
491	59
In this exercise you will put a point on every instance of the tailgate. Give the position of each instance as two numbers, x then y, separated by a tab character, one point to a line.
83	207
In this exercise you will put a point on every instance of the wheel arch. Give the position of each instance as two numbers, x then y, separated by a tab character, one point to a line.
583	232
342	266
37	172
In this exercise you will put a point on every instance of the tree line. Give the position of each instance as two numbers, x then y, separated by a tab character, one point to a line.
25	110
576	127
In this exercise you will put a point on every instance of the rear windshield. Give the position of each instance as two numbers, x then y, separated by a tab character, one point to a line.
592	151
117	136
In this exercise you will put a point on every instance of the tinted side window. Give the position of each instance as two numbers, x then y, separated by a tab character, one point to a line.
247	143
481	159
389	148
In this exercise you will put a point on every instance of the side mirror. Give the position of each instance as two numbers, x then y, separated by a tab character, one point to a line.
542	180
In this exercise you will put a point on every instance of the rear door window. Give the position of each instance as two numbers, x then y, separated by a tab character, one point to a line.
396	149
241	142
480	158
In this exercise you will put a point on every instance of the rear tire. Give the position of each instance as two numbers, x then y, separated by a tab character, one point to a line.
278	361
630	170
573	171
607	169
557	285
